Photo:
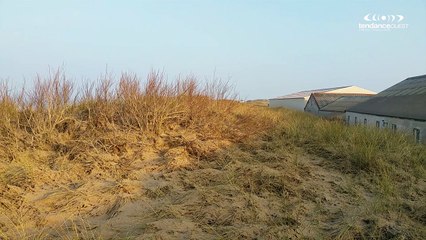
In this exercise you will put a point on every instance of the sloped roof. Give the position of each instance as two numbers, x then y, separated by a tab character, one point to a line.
406	99
307	93
345	102
324	99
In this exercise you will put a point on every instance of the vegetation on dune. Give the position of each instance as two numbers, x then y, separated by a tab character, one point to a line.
55	137
359	148
53	106
157	159
389	166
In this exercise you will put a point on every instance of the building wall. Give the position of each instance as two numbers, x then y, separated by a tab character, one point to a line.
313	109
311	106
403	125
352	89
293	103
299	103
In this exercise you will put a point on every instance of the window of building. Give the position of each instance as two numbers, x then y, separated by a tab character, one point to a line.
384	124
416	133
365	121
393	127
378	124
349	119
356	120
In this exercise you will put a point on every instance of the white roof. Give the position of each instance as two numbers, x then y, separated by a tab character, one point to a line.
307	93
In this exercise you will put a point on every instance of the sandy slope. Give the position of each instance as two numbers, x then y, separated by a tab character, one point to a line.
234	200
170	189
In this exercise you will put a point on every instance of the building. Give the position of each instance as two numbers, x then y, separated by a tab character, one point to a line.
297	101
401	107
333	105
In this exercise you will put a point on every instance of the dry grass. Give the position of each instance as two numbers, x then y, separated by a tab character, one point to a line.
64	151
388	166
152	159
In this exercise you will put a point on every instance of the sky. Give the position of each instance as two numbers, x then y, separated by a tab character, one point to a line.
264	48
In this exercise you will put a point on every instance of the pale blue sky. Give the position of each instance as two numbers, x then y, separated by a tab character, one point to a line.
266	48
